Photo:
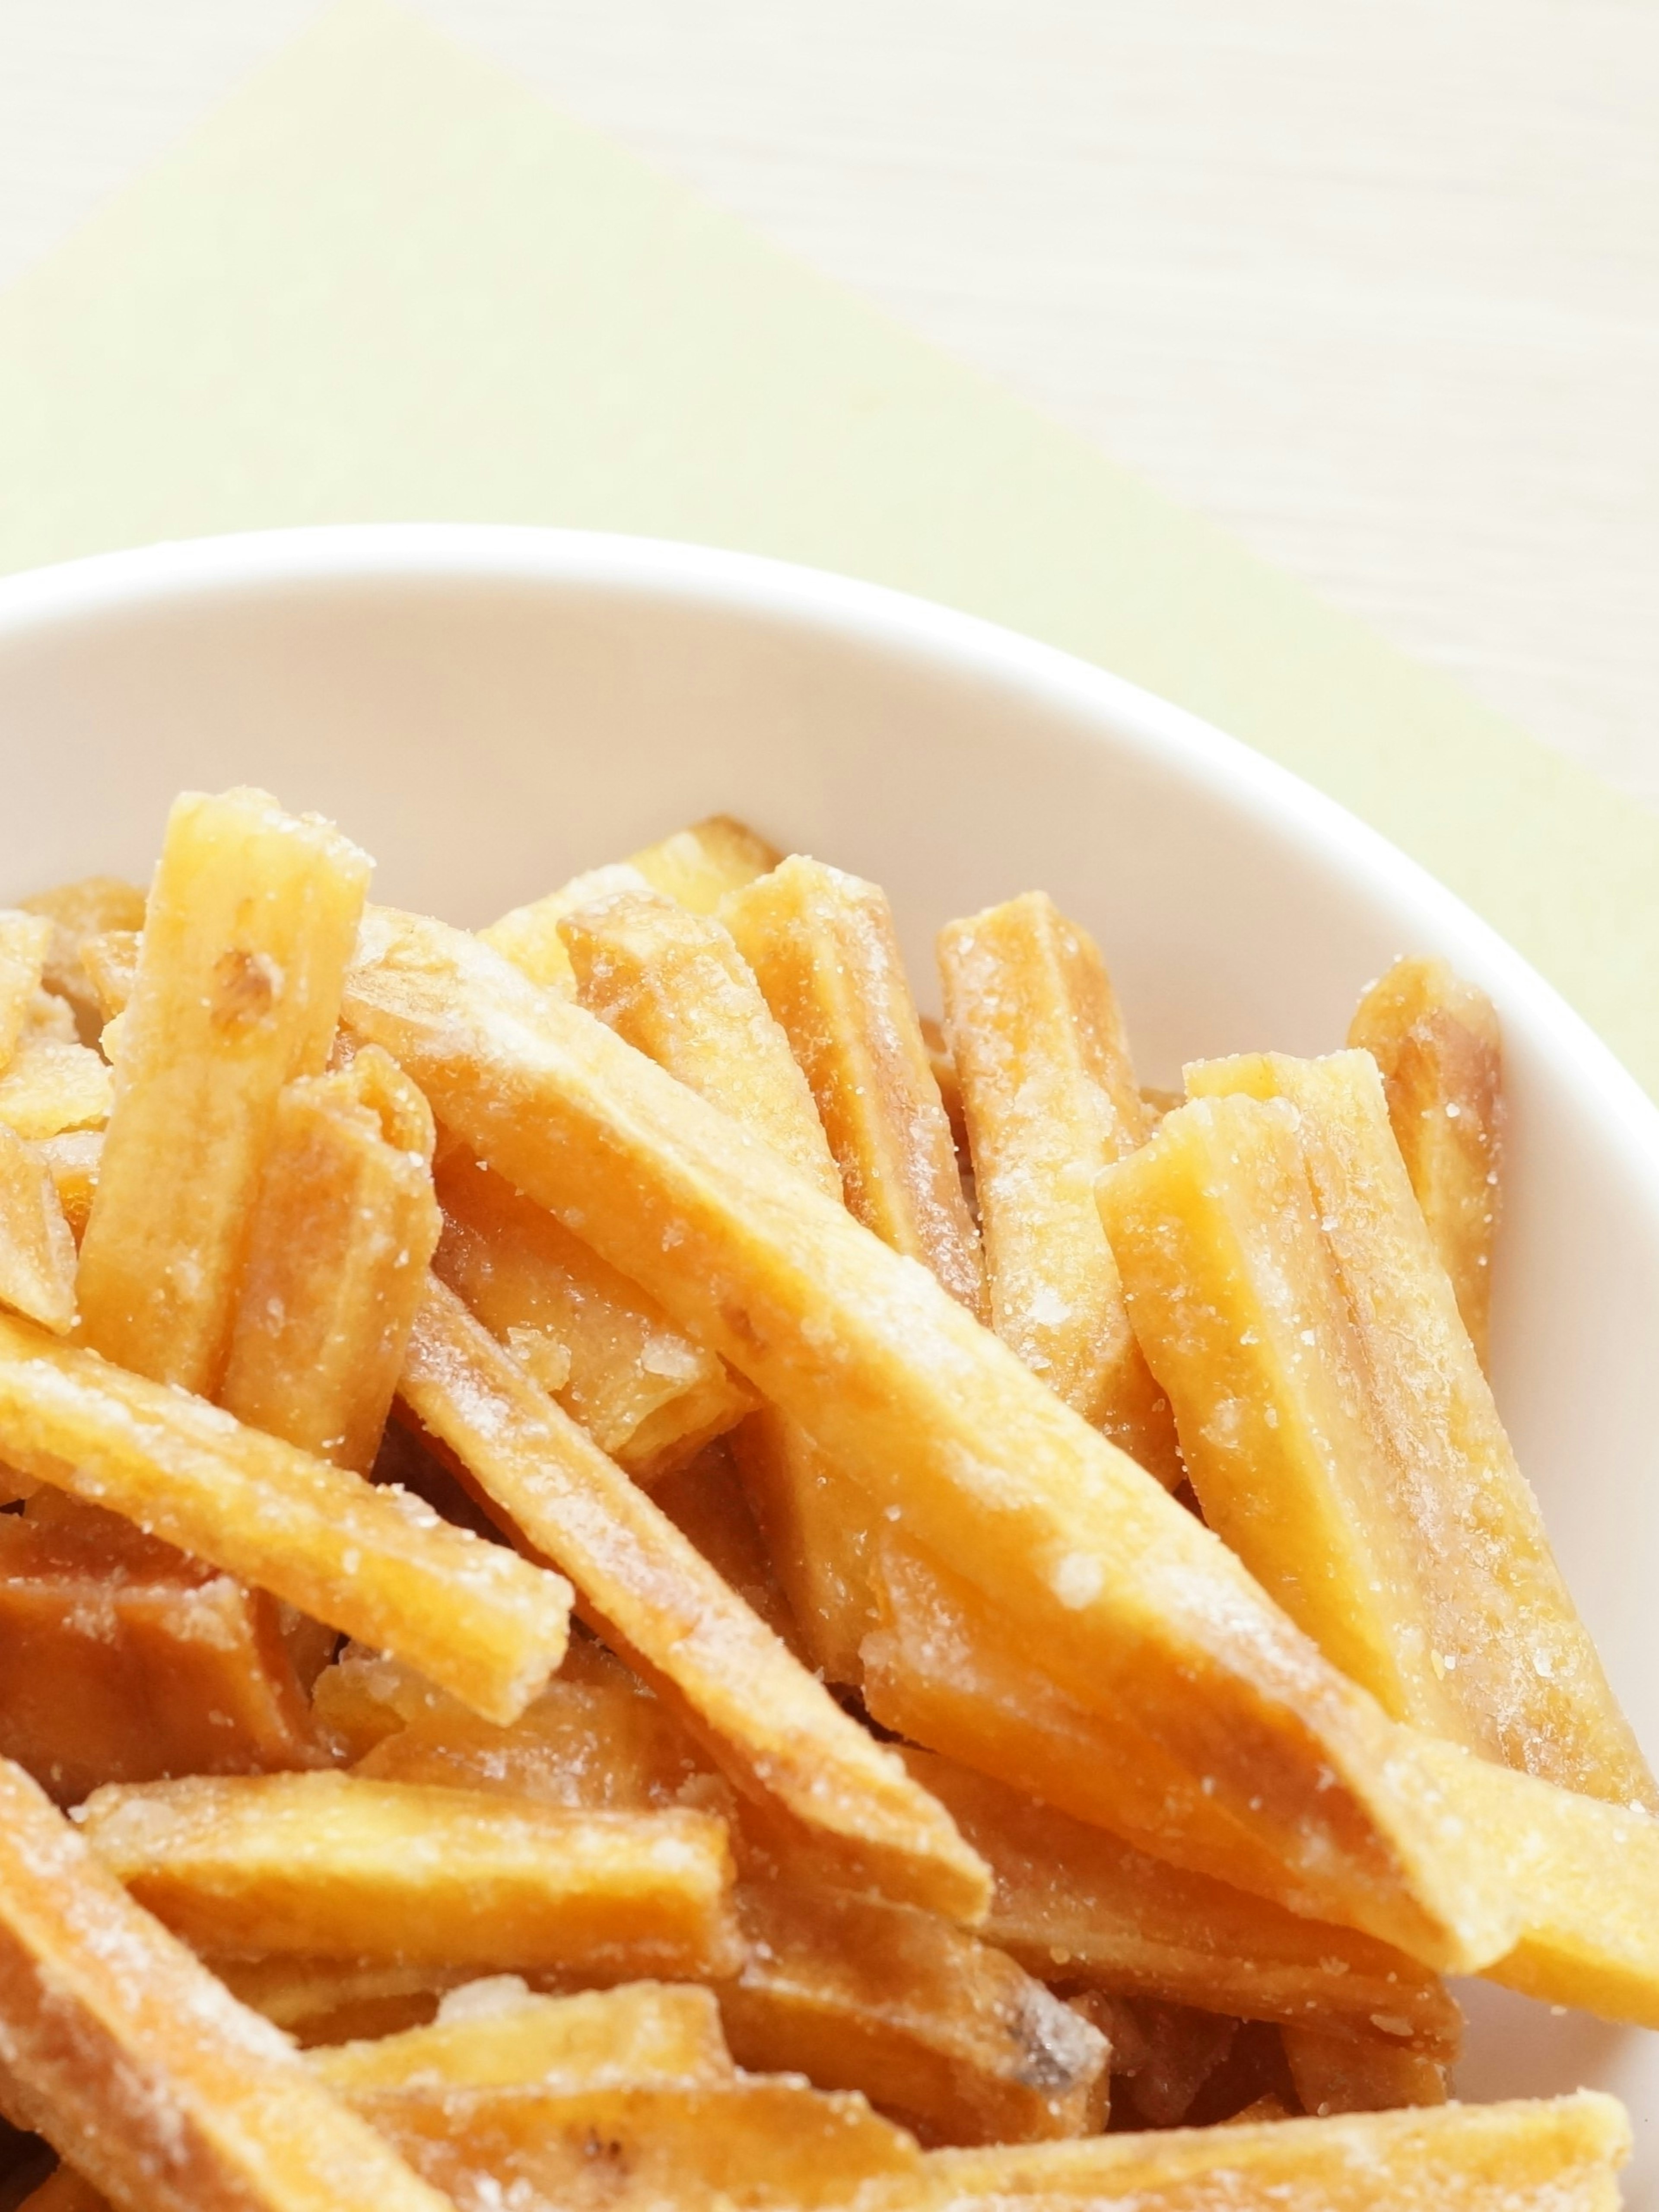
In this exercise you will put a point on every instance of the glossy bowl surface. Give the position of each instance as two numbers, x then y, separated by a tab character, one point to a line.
489	709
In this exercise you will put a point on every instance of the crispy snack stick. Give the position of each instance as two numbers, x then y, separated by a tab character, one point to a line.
122	1661
1336	2071
376	1564
939	2031
498	2034
72	1162
644	1391
1438	1044
695	867
1557	2154
51	1084
757	2141
94	907
1050	1099
940	1059
1135	1607
36	1250
1075	1904
332	2001
675	986
1526	1677
247	931
333	1863
601	1745
24	939
777	1731
705	1503
111	961
141	2068
343	1228
1587	1874
825	952
1238	1301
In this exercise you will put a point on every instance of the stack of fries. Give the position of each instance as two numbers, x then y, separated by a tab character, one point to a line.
1063	1657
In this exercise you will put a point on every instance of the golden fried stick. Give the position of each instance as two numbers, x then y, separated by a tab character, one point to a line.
674	984
136	2063
1559	2155
1338	2070
373	1562
52	1085
1437	1042
644	1391
36	1250
24	939
1075	1904
939	2031
249	1865
111	961
497	2034
1141	1611
344	1227
1050	1099
1238	1301
248	927
94	907
695	867
823	948
761	2140
1525	1677
72	1159
777	1732
121	1660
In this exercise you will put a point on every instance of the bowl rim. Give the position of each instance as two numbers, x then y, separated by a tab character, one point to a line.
1167	736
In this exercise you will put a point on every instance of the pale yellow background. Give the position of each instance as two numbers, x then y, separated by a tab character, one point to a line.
386	282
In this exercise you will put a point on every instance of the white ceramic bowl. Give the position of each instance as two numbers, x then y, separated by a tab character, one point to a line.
489	709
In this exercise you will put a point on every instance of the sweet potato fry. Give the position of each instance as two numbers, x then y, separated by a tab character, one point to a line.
1586	1874
761	2142
133	2061
51	1084
1075	1904
375	1564
1132	1604
343	1228
777	1731
72	1162
823	948
94	907
695	867
36	1250
674	984
1336	2070
246	936
1526	1678
1559	2155
698	866
647	1394
319	2002
111	961
332	1863
498	2035
1050	1099
705	1503
1436	1042
602	1746
122	1661
24	938
943	2033
1237	1302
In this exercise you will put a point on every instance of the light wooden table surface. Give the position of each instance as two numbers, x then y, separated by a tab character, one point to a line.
1377	285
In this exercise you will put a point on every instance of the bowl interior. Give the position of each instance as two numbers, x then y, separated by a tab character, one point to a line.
488	711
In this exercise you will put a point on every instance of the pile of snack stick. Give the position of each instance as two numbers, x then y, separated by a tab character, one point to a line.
632	1577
